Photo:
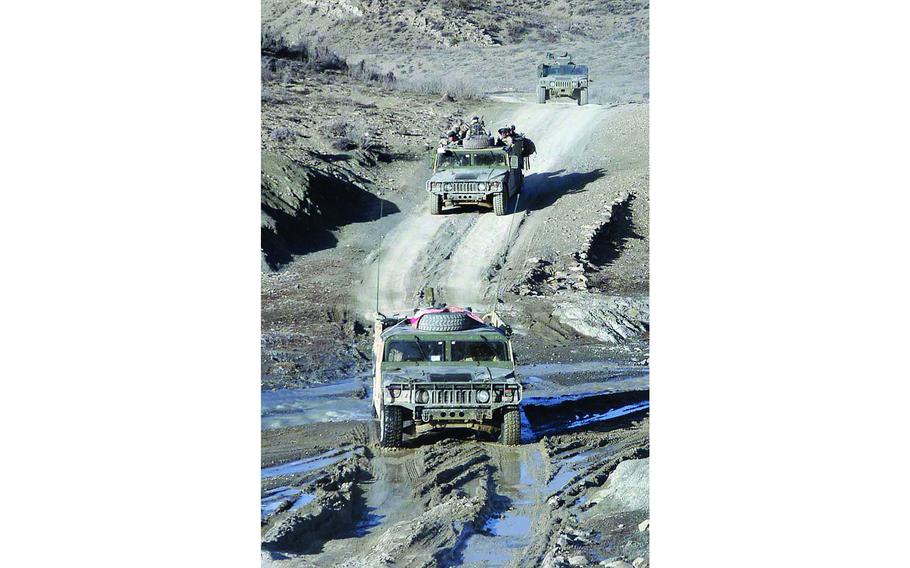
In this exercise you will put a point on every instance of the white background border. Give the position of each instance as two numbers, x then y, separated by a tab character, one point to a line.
130	301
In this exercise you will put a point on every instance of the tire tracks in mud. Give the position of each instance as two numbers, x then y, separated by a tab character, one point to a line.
451	501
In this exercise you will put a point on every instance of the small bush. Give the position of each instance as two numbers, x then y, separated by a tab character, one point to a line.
283	133
448	85
339	128
343	144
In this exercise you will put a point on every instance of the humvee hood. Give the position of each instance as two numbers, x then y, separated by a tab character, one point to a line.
472	174
447	373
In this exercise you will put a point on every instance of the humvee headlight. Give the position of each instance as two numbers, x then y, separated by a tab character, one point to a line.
422	397
552	83
395	392
483	396
481	186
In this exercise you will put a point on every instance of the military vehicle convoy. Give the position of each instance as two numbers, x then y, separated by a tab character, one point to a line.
478	172
560	77
444	367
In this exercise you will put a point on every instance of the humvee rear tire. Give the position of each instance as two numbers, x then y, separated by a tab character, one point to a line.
499	204
446	321
542	95
510	432
391	424
583	97
435	204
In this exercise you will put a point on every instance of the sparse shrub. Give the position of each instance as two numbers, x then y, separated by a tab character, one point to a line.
325	59
273	96
447	85
339	128
282	133
343	144
267	74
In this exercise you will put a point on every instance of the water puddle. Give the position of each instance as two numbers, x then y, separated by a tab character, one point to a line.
307	464
335	402
560	480
551	415
508	531
274	498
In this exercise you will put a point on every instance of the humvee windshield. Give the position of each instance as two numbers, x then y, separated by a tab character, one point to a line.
549	70
479	351
450	160
416	350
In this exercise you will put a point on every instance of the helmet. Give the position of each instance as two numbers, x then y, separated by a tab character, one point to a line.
475	119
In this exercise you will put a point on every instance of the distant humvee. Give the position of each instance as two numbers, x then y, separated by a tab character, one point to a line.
444	367
559	77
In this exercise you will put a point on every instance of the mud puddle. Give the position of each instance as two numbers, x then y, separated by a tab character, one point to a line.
308	464
275	498
345	400
508	529
553	415
388	500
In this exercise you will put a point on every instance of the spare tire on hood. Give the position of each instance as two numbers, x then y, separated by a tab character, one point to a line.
446	321
476	142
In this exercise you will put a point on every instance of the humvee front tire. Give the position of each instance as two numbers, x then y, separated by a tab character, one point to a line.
583	97
435	204
542	95
390	423
499	204
510	432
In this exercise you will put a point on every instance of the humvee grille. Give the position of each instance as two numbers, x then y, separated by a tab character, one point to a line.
452	396
464	186
565	84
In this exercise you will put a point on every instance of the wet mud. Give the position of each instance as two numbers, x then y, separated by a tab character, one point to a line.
459	498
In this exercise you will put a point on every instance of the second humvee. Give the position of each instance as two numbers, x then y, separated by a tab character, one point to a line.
560	77
485	176
444	367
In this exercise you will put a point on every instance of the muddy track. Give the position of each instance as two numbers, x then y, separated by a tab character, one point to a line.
445	500
462	251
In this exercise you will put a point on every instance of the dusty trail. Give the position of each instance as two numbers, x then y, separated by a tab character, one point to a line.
474	242
556	129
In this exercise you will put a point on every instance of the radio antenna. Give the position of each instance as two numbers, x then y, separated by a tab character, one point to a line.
379	251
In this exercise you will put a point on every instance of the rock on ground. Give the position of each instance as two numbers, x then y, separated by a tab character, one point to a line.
611	319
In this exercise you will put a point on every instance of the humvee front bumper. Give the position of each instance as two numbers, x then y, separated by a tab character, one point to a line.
459	402
559	88
460	192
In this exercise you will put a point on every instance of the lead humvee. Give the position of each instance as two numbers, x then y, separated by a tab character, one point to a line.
444	367
560	77
478	173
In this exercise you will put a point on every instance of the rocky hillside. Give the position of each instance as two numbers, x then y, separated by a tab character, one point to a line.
484	46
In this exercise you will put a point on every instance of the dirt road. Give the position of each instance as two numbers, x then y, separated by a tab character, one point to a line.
460	251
